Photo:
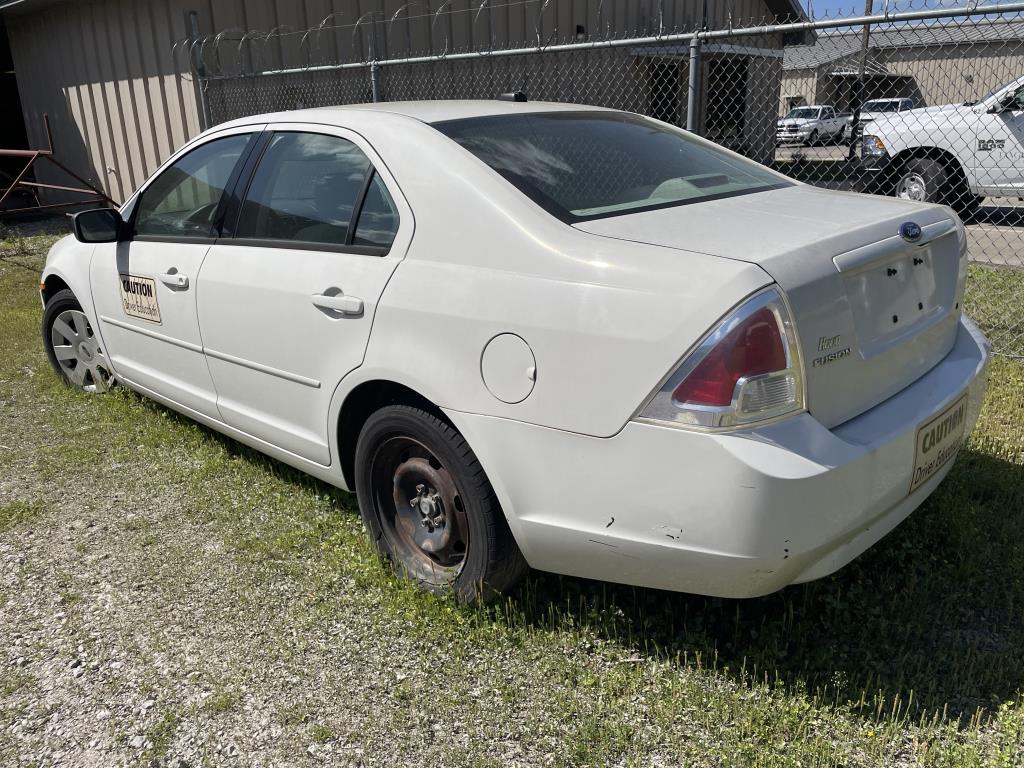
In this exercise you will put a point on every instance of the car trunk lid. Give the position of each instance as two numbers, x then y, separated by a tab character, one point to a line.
874	312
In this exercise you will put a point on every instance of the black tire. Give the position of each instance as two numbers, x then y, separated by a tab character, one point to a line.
404	452
923	180
83	365
812	138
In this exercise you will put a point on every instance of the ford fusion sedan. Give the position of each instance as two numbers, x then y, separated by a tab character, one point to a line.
539	335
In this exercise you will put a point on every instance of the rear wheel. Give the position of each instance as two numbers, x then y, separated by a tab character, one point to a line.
72	346
429	507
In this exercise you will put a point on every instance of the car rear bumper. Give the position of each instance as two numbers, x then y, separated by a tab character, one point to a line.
733	515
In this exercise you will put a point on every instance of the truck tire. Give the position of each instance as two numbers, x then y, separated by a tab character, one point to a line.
812	139
923	180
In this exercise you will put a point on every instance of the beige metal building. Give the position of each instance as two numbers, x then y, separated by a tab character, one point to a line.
109	76
933	64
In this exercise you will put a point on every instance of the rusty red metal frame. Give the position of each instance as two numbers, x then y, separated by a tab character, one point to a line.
93	194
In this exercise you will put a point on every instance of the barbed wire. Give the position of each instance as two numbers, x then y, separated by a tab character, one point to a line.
372	37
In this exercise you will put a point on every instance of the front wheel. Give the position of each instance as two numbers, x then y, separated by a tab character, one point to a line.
72	346
922	180
429	507
812	139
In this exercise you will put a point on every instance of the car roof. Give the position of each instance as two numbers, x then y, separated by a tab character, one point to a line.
425	111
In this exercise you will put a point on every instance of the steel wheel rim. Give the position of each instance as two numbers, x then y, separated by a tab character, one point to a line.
78	352
419	509
913	187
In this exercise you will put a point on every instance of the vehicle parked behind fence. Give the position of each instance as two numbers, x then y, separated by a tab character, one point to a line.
810	125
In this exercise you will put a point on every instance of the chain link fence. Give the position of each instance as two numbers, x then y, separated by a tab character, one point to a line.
925	102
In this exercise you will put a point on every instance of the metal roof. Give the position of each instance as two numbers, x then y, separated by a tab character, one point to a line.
833	47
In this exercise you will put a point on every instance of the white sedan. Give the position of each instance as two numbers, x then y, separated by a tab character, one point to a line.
537	334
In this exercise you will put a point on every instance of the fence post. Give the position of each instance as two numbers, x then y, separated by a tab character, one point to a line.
375	81
693	96
858	93
200	68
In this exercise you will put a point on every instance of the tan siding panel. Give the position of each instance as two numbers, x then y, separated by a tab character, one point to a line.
117	101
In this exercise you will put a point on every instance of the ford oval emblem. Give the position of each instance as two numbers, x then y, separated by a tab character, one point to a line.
910	231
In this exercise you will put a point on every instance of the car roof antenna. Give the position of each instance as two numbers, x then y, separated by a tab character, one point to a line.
513	96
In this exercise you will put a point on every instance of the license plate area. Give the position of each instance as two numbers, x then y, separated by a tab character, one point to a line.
938	441
896	297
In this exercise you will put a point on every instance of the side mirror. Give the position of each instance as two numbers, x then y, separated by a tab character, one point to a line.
1006	104
100	225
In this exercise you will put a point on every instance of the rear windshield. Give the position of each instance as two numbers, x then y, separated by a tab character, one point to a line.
589	165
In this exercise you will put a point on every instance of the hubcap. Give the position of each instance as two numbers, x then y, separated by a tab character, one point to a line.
78	352
420	510
912	187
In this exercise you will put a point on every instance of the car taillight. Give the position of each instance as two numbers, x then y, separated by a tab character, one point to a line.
746	370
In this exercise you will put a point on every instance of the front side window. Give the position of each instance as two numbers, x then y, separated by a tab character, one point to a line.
305	190
182	201
1015	103
587	165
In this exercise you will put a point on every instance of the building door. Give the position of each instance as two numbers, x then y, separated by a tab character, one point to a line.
726	101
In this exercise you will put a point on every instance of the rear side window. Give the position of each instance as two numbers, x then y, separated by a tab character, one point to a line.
378	218
306	189
588	165
182	201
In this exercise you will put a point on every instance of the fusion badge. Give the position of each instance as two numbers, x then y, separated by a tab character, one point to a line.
138	297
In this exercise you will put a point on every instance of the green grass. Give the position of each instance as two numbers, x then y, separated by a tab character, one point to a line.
808	169
18	513
222	700
994	299
913	654
161	734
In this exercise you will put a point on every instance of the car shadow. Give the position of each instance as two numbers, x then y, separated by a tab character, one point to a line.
997	215
930	617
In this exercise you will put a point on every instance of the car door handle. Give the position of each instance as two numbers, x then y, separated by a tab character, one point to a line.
174	279
347	305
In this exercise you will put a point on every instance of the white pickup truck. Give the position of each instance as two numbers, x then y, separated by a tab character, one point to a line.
811	124
953	154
